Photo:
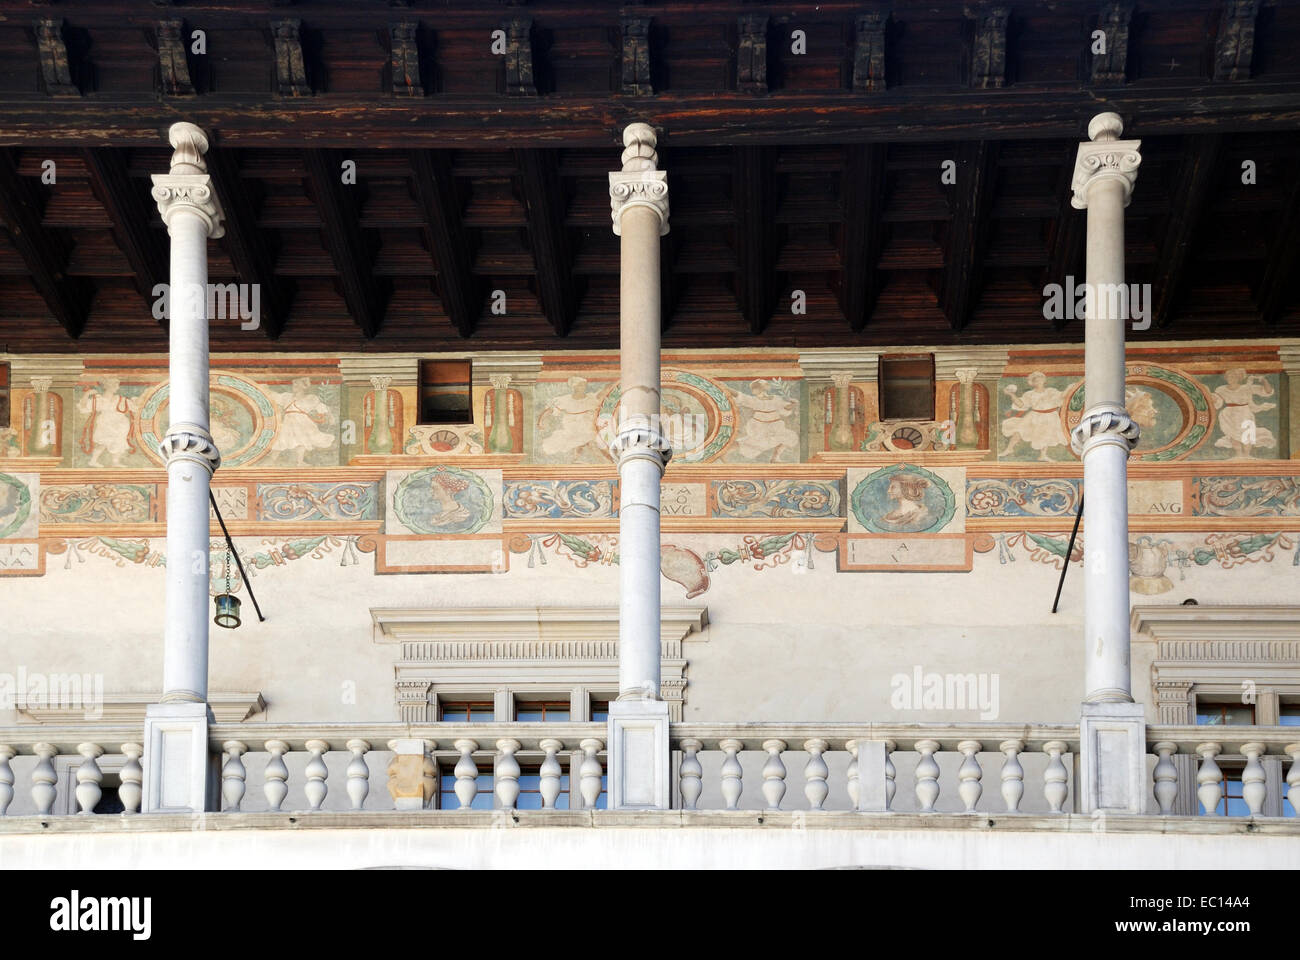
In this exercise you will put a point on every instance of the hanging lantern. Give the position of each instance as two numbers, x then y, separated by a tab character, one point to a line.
227	603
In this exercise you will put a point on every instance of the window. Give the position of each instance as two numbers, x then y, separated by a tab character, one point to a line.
467	711
1288	715
542	711
445	392
906	386
109	802
1231	803
1210	714
599	710
530	790
483	800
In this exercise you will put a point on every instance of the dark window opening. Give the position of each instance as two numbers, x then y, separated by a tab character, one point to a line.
906	386
445	392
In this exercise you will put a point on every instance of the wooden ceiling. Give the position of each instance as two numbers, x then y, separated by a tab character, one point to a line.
478	172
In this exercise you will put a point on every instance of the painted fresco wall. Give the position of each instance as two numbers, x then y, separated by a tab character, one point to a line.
834	551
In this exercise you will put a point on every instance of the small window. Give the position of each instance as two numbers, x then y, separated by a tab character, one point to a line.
445	392
530	790
1225	714
467	711
542	711
483	799
906	386
1288	715
4	396
599	711
1232	803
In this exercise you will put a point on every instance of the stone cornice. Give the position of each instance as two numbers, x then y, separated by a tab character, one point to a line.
474	624
1216	623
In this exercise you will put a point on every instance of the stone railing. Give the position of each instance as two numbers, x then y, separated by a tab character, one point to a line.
881	768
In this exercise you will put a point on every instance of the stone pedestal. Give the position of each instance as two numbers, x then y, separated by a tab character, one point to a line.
1112	758
180	774
639	764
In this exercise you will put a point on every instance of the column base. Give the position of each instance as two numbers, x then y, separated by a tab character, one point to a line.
180	774
1112	759
639	762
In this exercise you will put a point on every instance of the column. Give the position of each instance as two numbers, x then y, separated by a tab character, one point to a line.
1112	729
177	761
638	719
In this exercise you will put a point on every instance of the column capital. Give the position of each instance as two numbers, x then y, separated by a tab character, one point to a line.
187	186
639	183
639	438
1104	423
1106	157
188	441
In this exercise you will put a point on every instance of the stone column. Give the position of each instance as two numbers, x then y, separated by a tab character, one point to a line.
638	719
1112	729
177	762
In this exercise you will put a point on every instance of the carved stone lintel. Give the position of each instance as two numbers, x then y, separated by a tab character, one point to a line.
404	58
636	57
641	440
56	71
188	441
989	53
1104	423
290	70
1235	47
1112	66
1106	157
519	57
869	53
751	54
173	65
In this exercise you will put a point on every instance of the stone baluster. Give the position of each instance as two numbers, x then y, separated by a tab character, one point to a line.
233	774
1253	790
1210	778
7	753
1165	776
1013	774
89	777
851	775
358	773
969	774
774	774
466	773
550	772
589	772
317	773
927	775
732	774
1292	777
891	774
131	777
276	775
506	773
1055	776
693	774
815	773
44	778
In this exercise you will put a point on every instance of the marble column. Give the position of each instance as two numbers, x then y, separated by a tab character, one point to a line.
1112	729
177	761
638	719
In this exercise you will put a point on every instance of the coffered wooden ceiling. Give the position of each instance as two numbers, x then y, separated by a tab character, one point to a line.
477	171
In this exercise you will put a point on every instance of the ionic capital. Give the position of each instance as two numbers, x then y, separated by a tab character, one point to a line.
191	193
1104	423
188	441
1105	158
639	183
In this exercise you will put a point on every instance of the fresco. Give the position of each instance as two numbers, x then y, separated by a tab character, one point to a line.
1032	425
903	499
443	500
1247	419
99	503
565	429
559	499
108	424
767	414
16	519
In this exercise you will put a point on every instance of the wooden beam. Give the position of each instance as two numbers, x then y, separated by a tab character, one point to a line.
1278	284
543	196
495	122
173	63
444	229
56	70
863	190
751	53
341	231
1188	199
1234	48
45	257
964	258
1112	65
869	53
131	209
989	49
249	252
755	201
1065	246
